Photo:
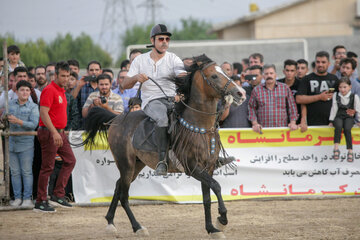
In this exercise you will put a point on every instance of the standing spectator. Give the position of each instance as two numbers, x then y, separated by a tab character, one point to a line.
339	52
314	91
347	68
14	61
23	117
353	56
339	117
87	85
302	68
134	104
40	77
50	71
125	65
133	54
35	94
254	76
272	104
236	116
237	69
104	98
125	94
74	66
245	64
52	138
227	69
72	82
256	59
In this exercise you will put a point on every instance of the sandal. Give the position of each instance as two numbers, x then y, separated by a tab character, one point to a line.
350	157
336	155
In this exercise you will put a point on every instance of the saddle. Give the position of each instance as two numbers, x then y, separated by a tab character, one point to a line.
144	135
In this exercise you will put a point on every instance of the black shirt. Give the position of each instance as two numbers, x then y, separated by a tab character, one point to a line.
312	84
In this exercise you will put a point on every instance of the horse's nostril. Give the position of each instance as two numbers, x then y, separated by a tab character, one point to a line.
240	94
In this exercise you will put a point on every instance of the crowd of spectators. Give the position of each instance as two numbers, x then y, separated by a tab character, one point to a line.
302	98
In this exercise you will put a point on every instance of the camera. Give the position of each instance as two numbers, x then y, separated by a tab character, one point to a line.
91	78
103	99
250	77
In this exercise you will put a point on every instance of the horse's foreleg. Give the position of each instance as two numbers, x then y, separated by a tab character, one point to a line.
208	182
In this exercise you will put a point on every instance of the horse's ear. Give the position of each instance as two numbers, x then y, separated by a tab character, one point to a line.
199	63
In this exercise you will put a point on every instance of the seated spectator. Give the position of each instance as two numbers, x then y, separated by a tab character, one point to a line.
104	98
134	104
14	61
125	94
23	117
272	103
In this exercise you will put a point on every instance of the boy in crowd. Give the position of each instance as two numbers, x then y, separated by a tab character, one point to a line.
23	117
14	61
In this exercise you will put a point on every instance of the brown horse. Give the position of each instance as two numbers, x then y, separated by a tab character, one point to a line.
194	139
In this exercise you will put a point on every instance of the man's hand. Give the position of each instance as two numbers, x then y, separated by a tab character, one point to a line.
257	128
303	127
141	77
183	74
82	82
326	96
331	125
351	112
292	125
57	139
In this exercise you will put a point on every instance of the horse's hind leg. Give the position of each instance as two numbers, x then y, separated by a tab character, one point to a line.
207	183
122	193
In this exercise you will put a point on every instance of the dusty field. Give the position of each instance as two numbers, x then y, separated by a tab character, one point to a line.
295	219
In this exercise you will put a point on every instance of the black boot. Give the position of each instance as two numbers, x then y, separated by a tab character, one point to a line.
162	142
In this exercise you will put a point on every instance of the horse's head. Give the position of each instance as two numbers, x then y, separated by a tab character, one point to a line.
221	86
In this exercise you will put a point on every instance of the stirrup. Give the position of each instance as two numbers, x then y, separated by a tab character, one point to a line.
161	168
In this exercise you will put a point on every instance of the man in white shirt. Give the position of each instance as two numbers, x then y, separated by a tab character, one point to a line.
161	66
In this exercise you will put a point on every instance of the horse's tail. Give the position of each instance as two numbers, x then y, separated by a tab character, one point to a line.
95	124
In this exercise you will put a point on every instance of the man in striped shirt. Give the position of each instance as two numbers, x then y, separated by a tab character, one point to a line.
272	104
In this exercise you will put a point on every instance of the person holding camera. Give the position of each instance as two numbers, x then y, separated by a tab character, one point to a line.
104	98
253	76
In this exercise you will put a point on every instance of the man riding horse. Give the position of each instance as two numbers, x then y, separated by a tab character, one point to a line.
161	66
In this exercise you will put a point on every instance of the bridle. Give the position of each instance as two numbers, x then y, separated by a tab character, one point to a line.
223	92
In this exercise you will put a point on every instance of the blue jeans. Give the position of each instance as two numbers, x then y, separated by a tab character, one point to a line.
21	168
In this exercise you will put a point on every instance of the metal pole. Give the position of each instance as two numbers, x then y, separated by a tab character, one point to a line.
6	149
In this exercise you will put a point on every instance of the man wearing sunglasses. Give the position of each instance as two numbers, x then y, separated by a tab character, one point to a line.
161	66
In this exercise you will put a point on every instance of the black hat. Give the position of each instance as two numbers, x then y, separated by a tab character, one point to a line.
159	29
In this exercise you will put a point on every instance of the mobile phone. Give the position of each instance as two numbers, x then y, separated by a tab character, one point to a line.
331	90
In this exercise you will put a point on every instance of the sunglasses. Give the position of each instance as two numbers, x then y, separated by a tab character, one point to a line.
161	39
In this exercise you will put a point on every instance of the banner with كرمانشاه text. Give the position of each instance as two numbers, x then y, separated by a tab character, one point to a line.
277	163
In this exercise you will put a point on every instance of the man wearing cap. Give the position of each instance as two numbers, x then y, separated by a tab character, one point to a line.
161	66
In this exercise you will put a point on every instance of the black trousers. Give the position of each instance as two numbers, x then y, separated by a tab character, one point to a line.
346	124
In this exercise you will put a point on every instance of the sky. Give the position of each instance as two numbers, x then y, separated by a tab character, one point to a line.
106	20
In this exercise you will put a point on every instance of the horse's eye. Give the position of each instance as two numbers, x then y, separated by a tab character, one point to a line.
214	76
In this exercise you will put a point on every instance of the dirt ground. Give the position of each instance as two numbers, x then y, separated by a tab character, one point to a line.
275	219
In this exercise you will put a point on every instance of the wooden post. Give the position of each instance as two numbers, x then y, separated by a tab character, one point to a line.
6	144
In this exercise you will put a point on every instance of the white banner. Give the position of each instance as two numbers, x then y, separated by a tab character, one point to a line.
278	163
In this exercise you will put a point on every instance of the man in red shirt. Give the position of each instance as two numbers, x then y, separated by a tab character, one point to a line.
53	119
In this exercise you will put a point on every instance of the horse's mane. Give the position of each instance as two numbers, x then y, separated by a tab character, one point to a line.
183	84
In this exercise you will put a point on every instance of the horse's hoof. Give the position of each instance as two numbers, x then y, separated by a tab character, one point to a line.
218	225
217	235
142	232
111	228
